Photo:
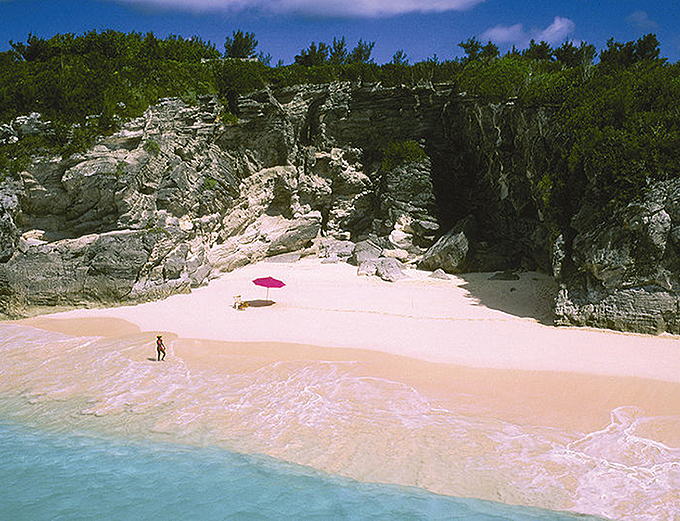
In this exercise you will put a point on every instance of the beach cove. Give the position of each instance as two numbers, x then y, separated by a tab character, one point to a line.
459	387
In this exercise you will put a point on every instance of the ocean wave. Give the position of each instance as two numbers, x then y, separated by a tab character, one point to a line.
332	416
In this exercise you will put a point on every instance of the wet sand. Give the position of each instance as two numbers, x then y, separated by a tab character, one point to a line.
456	386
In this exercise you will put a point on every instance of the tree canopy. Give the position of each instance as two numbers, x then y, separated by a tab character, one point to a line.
625	54
617	117
240	45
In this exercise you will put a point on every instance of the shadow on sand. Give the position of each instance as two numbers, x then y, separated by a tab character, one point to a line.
259	303
532	295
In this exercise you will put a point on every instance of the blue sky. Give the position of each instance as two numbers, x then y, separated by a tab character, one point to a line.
422	28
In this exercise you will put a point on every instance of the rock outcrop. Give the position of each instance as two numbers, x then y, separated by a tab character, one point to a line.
450	252
625	273
182	193
188	191
23	126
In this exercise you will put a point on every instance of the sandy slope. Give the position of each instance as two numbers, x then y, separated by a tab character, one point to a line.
470	320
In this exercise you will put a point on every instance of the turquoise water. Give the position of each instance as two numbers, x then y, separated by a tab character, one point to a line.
69	476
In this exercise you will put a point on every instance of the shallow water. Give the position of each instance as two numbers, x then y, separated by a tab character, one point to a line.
48	476
327	415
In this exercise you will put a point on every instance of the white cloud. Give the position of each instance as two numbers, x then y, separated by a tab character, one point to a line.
505	34
555	33
326	8
641	19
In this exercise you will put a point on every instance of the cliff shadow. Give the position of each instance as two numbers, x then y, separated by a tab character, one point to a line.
530	295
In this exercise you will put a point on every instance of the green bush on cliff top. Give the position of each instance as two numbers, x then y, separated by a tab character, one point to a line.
618	123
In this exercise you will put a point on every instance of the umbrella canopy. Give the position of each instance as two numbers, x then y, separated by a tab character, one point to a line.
268	282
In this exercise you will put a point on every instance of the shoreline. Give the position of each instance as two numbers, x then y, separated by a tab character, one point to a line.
445	392
422	318
508	394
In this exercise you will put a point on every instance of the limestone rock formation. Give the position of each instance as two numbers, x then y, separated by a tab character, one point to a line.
333	250
408	208
450	252
185	192
366	250
625	274
390	270
23	126
9	233
439	274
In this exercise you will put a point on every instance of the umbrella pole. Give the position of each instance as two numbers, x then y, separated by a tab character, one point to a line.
267	293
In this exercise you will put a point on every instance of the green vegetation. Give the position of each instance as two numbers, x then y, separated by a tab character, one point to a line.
623	131
108	74
152	147
120	169
210	183
86	85
240	45
401	153
152	229
618	119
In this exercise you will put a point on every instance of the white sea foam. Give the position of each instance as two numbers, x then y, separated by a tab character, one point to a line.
331	416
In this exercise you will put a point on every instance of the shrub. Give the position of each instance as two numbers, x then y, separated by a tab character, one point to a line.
152	147
402	153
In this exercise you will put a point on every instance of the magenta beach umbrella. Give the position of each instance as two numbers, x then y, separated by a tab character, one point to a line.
268	282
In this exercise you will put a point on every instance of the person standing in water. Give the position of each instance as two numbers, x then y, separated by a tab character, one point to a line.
160	348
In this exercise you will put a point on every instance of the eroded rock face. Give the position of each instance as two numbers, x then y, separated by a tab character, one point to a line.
300	161
23	126
333	250
624	274
407	210
9	233
183	193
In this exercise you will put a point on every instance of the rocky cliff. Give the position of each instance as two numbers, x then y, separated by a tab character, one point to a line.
624	273
186	192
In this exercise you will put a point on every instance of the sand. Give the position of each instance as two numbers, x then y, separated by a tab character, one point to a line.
512	387
470	320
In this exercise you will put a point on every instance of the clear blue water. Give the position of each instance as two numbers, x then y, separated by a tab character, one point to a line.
71	477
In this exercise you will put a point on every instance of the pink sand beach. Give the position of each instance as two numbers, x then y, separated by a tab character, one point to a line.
457	386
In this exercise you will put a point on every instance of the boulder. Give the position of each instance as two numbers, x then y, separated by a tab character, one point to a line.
439	274
396	253
450	252
365	250
333	250
424	232
400	239
390	270
368	267
301	232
